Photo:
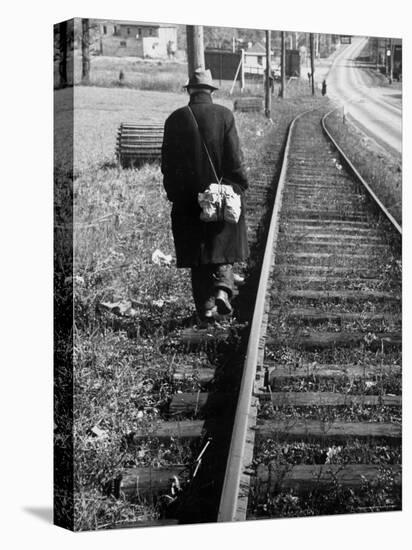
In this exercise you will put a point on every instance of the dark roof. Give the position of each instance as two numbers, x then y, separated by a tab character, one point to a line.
257	48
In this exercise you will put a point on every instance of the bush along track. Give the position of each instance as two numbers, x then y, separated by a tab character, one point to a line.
382	169
328	433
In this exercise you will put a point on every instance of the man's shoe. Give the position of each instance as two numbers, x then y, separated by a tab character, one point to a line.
238	280
210	313
208	318
222	302
209	304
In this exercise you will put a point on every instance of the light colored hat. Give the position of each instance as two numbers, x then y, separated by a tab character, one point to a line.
201	78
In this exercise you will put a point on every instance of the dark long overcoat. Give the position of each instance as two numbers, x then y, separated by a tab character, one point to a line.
187	172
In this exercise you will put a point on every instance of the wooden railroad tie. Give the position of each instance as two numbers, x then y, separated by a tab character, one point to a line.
322	340
133	524
314	315
303	478
203	375
199	403
278	372
329	399
208	337
147	482
181	430
343	295
336	431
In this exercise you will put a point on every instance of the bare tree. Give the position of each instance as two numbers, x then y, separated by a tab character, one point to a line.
63	53
312	63
282	65
85	51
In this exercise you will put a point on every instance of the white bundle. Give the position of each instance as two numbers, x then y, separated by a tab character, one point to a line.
159	258
216	197
232	205
211	202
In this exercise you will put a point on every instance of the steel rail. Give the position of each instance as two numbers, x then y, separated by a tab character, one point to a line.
231	485
358	176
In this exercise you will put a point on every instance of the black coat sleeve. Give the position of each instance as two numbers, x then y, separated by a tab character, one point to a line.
168	165
234	171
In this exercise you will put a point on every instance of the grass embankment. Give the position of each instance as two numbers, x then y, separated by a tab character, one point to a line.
381	169
161	75
122	379
149	74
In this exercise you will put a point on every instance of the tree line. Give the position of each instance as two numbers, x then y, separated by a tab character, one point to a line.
83	33
65	37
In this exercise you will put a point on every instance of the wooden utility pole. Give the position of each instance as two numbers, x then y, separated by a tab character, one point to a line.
195	49
328	44
377	53
391	61
63	53
312	63
386	59
85	51
268	91
282	65
242	69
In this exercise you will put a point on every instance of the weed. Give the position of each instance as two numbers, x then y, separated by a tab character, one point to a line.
381	170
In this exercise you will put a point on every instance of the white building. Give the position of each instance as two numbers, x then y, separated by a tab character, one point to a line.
255	59
136	39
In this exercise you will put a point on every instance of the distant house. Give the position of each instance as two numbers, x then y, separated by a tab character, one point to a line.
134	39
255	59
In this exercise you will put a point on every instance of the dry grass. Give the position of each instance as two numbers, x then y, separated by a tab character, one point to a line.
142	74
99	111
381	169
121	217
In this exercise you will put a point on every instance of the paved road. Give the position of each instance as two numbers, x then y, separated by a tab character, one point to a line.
377	108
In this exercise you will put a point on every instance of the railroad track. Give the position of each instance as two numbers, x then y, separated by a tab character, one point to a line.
315	407
198	423
317	428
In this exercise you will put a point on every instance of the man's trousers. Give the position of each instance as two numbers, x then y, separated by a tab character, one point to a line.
206	281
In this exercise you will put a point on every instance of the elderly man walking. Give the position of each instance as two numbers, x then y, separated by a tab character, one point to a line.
201	143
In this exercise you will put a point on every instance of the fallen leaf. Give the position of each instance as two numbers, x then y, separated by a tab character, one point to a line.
123	308
159	258
99	433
